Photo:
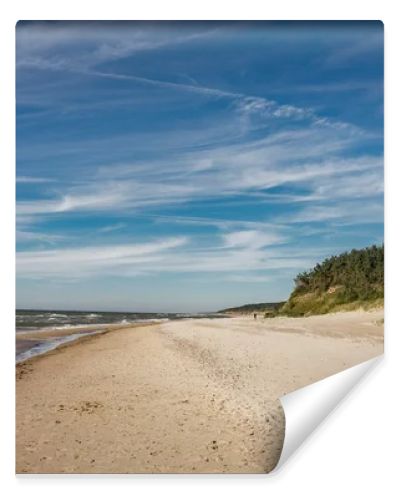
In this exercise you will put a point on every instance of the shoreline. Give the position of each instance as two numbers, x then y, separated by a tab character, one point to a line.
83	336
193	396
92	331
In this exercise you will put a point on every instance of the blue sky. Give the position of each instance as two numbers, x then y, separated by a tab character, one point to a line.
192	166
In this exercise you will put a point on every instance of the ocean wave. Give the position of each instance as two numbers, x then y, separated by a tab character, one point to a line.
49	345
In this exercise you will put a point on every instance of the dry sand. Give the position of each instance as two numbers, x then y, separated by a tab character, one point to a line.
183	396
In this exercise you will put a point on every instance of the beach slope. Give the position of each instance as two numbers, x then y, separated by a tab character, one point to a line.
183	396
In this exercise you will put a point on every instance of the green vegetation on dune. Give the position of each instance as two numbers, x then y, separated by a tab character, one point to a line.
345	282
324	303
348	281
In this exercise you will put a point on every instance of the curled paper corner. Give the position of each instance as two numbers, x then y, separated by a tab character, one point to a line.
306	408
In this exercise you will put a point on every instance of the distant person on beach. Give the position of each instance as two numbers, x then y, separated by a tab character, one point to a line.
255	315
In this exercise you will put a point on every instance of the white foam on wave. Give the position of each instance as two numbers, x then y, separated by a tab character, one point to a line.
49	345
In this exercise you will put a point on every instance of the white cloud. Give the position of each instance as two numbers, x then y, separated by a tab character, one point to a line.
242	252
91	260
341	212
251	150
299	158
251	239
112	227
363	183
33	180
354	48
52	45
250	278
29	236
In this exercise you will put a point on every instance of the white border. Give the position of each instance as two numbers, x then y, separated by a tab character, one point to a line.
349	455
306	408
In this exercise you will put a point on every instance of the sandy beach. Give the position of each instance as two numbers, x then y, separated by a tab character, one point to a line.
197	395
30	339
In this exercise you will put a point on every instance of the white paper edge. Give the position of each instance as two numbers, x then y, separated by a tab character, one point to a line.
306	408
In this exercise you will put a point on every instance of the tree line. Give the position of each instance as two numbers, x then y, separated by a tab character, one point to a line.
354	275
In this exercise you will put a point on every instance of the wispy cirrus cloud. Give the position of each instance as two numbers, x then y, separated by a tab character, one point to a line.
252	239
249	278
171	150
355	48
39	43
239	252
297	158
112	227
344	212
25	179
35	236
89	260
98	49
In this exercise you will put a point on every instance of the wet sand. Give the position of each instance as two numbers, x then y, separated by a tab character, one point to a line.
47	339
183	396
49	333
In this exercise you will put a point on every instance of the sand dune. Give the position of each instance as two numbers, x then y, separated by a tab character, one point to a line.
183	396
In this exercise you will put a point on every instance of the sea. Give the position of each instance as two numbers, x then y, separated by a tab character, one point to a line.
32	326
